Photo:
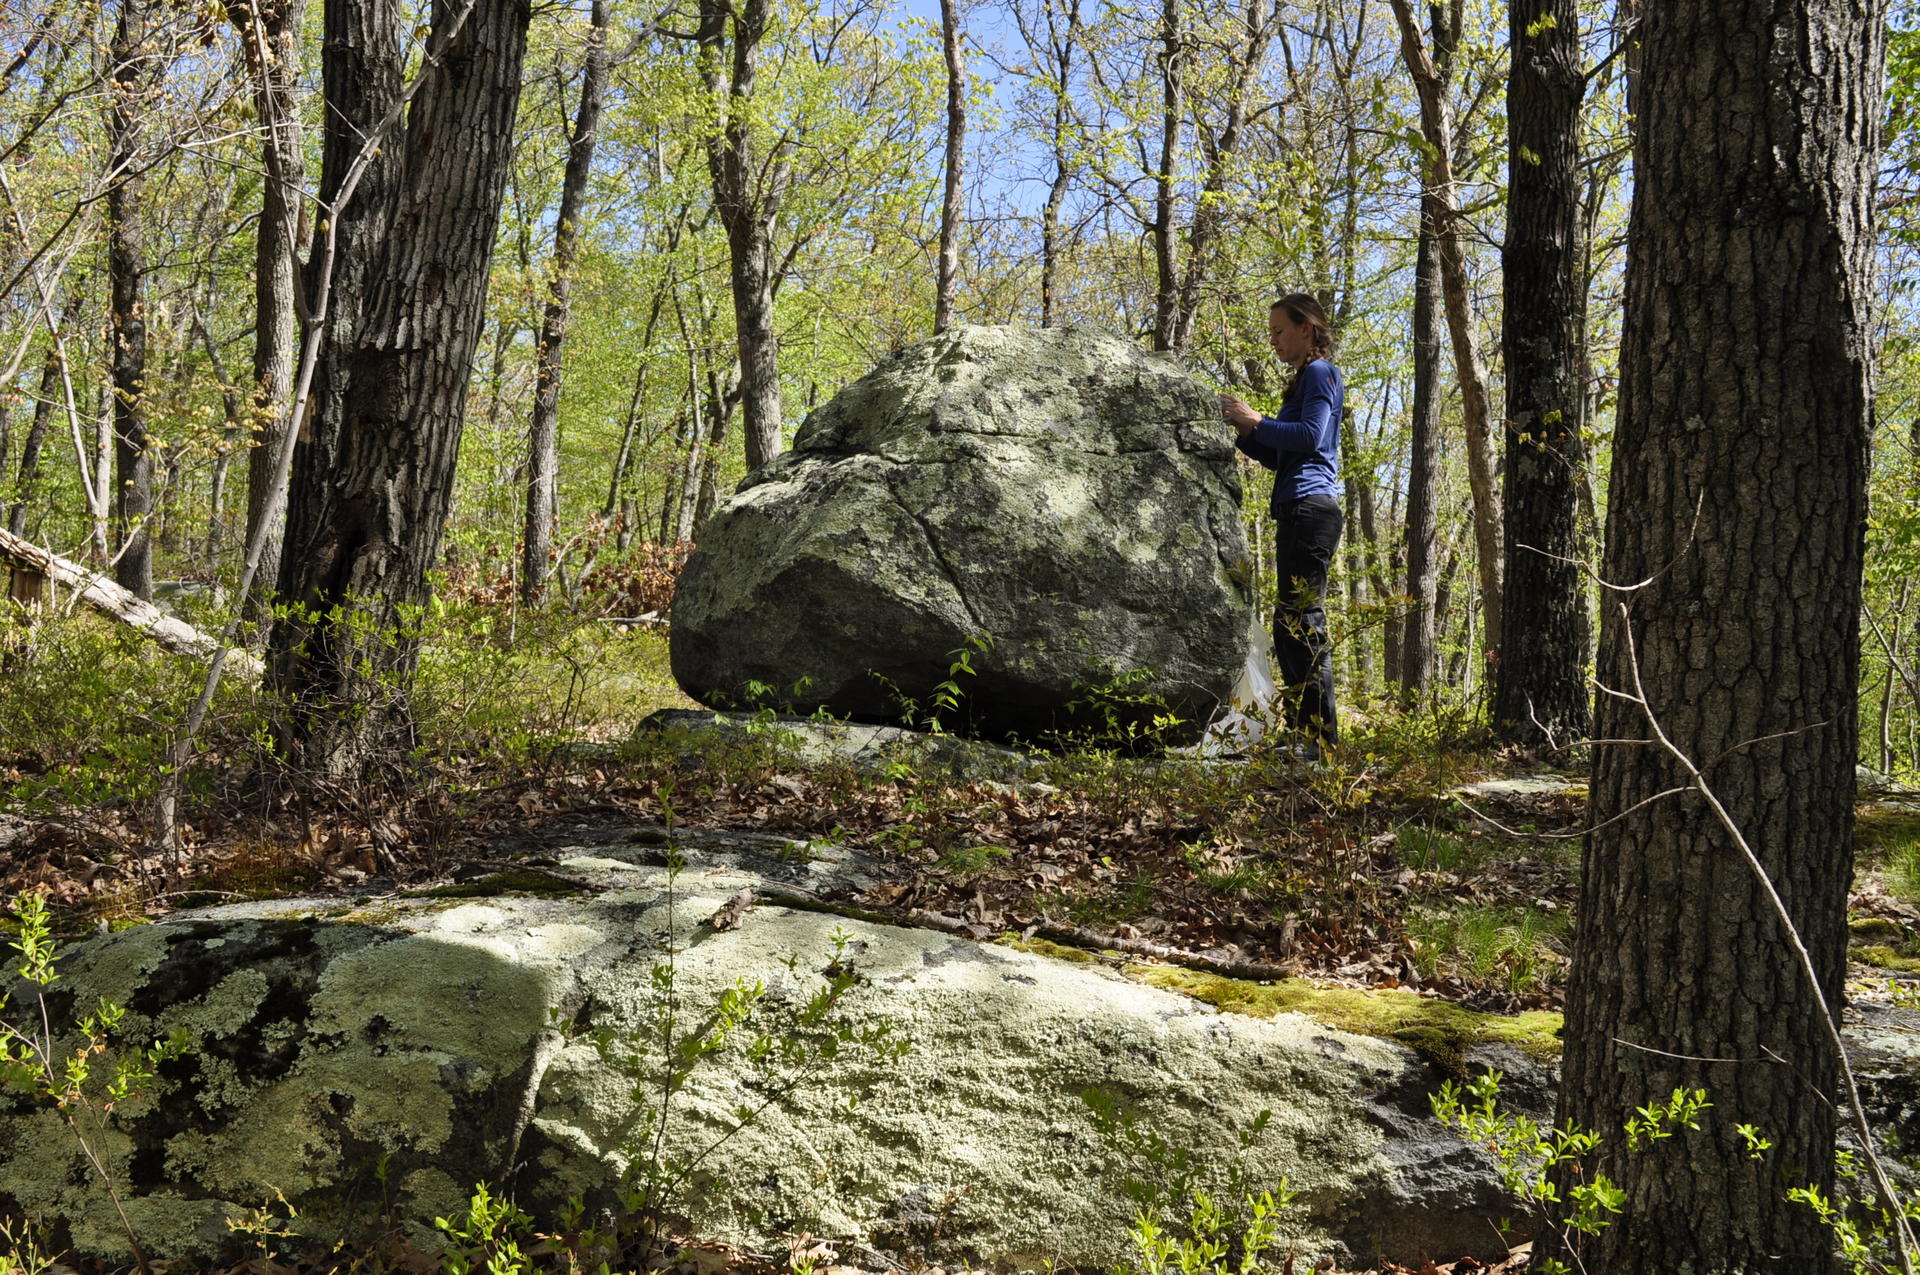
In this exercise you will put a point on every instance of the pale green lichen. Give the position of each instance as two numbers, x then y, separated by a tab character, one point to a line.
117	967
164	1223
408	986
233	1003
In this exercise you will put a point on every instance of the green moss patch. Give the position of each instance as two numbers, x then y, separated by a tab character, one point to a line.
1877	929
1884	957
1058	951
509	881
1438	1030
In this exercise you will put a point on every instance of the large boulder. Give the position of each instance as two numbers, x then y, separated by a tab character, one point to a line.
1060	493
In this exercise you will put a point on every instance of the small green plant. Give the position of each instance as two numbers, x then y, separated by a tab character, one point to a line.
25	1250
1650	1124
971	860
1210	1240
487	1238
1114	711
1902	867
1425	847
1517	949
1864	1230
948	694
1194	1215
33	1063
945	699
265	1226
788	1043
1217	868
1530	1154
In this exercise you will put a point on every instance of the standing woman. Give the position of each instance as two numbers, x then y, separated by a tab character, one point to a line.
1301	445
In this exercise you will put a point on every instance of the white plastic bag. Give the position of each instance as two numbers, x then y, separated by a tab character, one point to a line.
1249	710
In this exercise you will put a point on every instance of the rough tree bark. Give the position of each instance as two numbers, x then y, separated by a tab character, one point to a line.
543	437
344	660
1739	496
1540	685
270	33
1439	205
951	206
132	67
361	64
747	193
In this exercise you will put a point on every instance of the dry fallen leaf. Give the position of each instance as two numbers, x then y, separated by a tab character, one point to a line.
729	914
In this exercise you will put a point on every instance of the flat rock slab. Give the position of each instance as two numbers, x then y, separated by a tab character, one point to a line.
810	742
393	1053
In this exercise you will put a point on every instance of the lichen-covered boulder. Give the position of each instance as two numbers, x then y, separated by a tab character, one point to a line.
1061	494
373	1063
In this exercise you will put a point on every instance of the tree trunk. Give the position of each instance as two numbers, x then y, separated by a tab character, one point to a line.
133	67
270	32
102	501
346	659
1540	687
157	624
1739	495
1357	648
1219	149
1393	571
543	438
692	467
1423	463
1443	614
361	61
747	189
623	457
1439	206
951	206
1166	291
30	446
637	403
230	434
1060	49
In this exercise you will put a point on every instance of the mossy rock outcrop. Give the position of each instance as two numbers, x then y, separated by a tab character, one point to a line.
1061	491
388	1056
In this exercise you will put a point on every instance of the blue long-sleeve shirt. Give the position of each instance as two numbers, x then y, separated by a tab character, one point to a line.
1301	445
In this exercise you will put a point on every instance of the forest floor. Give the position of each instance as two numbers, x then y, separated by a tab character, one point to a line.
1366	871
1392	865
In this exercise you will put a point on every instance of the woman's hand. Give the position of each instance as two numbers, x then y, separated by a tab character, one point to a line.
1238	414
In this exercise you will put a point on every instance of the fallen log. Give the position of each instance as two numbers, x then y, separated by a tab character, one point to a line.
167	630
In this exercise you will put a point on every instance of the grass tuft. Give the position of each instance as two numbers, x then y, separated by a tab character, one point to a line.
1519	950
